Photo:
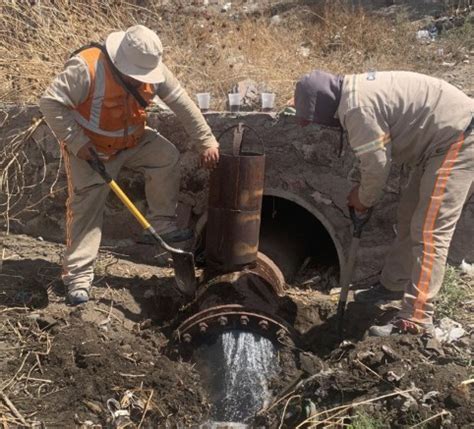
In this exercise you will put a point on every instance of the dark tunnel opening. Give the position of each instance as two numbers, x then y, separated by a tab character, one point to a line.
292	237
295	239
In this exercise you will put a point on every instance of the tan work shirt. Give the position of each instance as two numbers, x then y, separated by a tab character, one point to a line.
402	116
71	87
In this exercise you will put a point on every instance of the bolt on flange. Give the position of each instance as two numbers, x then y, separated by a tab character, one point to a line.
281	335
244	320
222	320
203	327
263	324
187	338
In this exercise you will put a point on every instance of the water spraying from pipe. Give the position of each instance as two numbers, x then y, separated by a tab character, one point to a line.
238	367
234	318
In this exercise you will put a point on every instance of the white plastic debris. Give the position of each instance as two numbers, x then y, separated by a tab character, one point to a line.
423	35
392	376
275	20
226	7
467	268
303	51
448	330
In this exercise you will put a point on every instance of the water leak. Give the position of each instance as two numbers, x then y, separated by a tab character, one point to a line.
237	368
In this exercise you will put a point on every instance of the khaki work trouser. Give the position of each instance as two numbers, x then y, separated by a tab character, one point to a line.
157	158
429	208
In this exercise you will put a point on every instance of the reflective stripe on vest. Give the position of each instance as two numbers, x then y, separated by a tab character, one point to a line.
97	96
92	127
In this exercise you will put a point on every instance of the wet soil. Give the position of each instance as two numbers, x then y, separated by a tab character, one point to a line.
76	367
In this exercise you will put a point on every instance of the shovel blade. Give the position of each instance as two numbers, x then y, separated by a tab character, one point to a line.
184	273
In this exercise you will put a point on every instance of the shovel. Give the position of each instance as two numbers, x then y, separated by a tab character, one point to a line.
346	276
183	261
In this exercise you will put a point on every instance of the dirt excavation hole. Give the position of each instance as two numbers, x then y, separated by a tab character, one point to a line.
109	349
298	243
238	366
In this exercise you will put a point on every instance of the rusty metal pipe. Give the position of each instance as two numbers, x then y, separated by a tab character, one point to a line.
241	287
235	204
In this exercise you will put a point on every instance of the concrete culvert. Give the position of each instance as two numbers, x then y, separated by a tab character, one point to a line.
295	239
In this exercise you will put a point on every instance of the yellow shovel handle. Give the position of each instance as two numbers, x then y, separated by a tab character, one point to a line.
135	212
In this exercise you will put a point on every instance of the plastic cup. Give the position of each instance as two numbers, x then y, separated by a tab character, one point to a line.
268	101
234	102
204	100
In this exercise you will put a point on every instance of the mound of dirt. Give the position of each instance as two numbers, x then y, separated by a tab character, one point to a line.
99	364
403	380
86	369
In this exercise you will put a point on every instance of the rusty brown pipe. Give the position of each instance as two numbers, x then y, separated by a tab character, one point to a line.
241	287
235	205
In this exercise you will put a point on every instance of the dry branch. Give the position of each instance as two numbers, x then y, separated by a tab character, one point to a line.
421	424
146	409
13	409
312	419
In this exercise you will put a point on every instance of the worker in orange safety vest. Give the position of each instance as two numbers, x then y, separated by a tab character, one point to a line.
98	103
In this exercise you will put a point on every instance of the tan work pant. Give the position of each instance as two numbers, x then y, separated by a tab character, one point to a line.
428	211
157	158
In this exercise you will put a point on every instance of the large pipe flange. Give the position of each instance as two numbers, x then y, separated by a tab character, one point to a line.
206	324
264	269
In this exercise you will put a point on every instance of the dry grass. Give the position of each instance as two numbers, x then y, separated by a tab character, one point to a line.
206	51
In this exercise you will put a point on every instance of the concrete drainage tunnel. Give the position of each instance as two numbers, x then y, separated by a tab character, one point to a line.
252	245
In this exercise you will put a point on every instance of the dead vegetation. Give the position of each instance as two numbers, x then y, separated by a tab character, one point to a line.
92	367
207	50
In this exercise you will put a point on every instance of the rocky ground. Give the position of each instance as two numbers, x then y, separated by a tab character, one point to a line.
76	367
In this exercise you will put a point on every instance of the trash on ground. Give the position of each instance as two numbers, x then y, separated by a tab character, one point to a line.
449	331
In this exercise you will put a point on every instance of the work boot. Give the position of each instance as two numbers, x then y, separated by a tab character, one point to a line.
377	294
398	326
77	295
178	236
175	236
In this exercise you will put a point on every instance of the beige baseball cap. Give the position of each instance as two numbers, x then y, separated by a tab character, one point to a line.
137	53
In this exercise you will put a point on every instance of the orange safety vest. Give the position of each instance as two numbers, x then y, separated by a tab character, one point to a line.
110	116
